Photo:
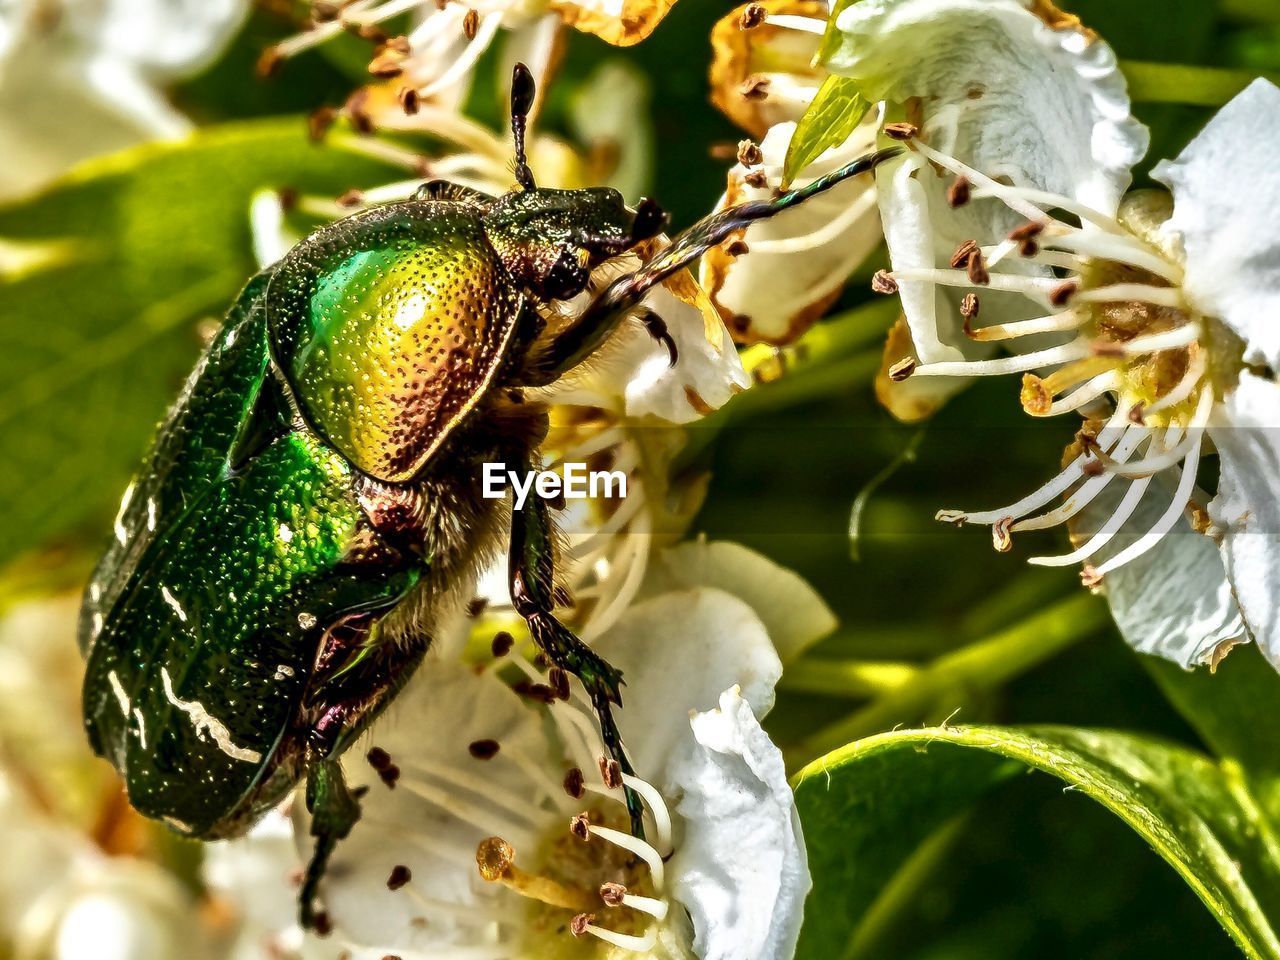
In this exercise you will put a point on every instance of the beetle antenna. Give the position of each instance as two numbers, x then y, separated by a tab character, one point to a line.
523	90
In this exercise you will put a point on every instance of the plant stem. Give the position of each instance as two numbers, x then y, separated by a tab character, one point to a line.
847	678
1184	83
983	665
830	359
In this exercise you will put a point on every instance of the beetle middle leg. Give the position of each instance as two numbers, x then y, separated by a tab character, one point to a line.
334	811
532	573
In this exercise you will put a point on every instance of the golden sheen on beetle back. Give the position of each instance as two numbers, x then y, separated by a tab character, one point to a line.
403	335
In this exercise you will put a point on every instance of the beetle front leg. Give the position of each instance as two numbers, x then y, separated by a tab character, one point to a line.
532	573
334	811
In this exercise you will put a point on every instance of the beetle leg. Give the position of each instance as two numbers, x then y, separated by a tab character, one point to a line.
579	340
532	593
334	811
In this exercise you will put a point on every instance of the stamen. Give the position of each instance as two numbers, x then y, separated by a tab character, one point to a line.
477	43
582	924
1053	323
1110	434
1039	287
1019	363
1172	455
1174	339
615	895
829	231
1177	506
1088	490
1143	292
642	849
802	24
1091	390
1184	387
495	859
1128	503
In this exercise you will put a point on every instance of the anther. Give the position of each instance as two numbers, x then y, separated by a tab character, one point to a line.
579	924
883	282
736	248
1090	577
409	100
611	772
1035	396
612	894
962	253
400	875
1093	468
901	131
902	369
959	192
322	924
1063	292
977	269
324	11
319	122
756	178
749	155
1000	538
754	88
575	783
502	643
484	749
378	758
352	198
969	306
580	827
387	64
470	24
269	62
1137	414
752	16
357	112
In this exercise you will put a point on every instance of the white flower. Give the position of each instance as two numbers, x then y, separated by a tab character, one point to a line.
63	899
490	829
83	77
774	279
433	62
1152	319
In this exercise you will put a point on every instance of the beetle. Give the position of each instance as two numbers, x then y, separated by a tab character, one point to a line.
312	505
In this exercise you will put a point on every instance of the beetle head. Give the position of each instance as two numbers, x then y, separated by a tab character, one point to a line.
551	239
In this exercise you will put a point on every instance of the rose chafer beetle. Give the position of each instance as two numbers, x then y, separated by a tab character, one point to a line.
312	506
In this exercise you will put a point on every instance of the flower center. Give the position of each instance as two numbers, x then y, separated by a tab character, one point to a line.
1127	340
589	877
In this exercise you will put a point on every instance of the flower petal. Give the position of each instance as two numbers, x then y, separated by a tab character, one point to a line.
453	799
1045	104
1174	601
780	55
1246	511
678	652
1225	194
619	23
741	870
792	612
796	262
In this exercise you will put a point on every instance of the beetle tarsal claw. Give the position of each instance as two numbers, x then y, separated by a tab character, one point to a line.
657	328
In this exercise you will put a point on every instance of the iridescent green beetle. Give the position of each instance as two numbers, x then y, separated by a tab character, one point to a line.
314	500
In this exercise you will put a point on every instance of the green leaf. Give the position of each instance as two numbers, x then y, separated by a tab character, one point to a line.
837	108
868	808
1236	711
99	327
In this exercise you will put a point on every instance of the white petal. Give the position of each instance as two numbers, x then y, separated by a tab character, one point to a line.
792	612
1004	91
678	652
773	295
706	374
1246	511
166	37
1174	601
1040	107
741	871
428	729
255	874
1225	194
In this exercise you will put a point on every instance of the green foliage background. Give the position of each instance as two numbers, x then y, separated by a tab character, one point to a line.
1001	841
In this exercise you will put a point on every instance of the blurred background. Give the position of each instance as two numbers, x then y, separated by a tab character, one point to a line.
125	230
